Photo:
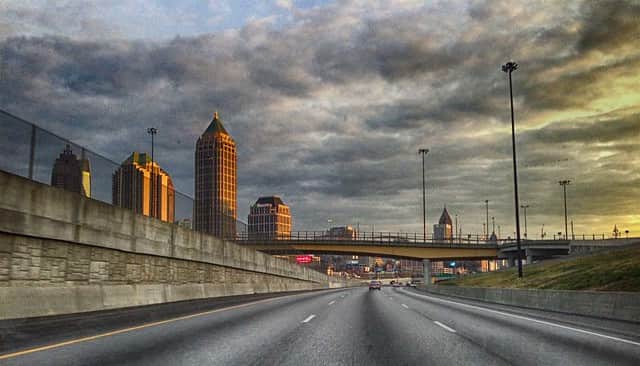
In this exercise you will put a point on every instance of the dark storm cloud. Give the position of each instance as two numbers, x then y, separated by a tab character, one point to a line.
398	117
609	24
329	112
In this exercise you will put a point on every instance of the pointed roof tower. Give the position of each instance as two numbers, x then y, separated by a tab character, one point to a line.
215	126
445	218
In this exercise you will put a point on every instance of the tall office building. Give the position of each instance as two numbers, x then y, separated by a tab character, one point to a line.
270	218
216	204
144	187
71	173
443	230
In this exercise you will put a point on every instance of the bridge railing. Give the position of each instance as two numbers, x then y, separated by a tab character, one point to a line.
389	237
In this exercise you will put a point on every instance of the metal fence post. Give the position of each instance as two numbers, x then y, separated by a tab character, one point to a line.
32	151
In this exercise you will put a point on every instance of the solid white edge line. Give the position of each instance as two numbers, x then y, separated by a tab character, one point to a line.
332	302
578	330
445	327
308	319
405	306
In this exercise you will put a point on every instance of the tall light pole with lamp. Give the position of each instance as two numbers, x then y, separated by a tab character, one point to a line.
525	207
486	204
424	152
564	184
509	68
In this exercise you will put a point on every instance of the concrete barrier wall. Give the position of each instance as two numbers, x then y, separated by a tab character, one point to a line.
61	252
24	302
593	246
610	305
34	209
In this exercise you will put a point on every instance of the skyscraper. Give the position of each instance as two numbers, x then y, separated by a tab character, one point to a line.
443	230
269	218
216	204
71	173
132	188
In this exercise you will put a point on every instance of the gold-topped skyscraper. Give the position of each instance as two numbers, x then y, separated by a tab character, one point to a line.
142	186
216	204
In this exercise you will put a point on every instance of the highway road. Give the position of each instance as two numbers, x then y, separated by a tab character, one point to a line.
394	326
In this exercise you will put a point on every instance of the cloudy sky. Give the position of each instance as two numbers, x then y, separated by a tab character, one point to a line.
329	102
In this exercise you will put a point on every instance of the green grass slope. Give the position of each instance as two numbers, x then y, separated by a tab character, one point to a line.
616	270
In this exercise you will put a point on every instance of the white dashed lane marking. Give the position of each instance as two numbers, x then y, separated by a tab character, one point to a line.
308	319
445	327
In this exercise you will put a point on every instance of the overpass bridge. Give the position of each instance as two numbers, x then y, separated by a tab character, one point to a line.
414	246
383	244
533	250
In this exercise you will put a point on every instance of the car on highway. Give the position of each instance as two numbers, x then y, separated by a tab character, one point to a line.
395	284
375	285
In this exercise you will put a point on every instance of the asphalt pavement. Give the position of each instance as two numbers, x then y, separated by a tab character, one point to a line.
393	326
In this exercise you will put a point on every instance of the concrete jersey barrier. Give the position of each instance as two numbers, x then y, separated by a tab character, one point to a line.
609	305
63	253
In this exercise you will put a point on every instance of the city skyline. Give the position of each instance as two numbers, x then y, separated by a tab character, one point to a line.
350	107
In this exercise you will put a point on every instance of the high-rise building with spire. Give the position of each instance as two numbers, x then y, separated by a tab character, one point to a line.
443	230
71	173
216	180
133	188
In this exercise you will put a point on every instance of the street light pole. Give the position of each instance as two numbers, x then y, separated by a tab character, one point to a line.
564	184
509	68
424	152
525	207
152	207
486	203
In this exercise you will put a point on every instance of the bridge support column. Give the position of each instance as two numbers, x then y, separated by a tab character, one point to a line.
511	262
426	268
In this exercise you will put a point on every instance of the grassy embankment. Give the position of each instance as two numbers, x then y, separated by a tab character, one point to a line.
616	270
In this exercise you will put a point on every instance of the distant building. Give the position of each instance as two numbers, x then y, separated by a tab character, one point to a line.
359	264
411	267
269	218
437	268
443	230
71	173
616	232
342	232
142	186
216	181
